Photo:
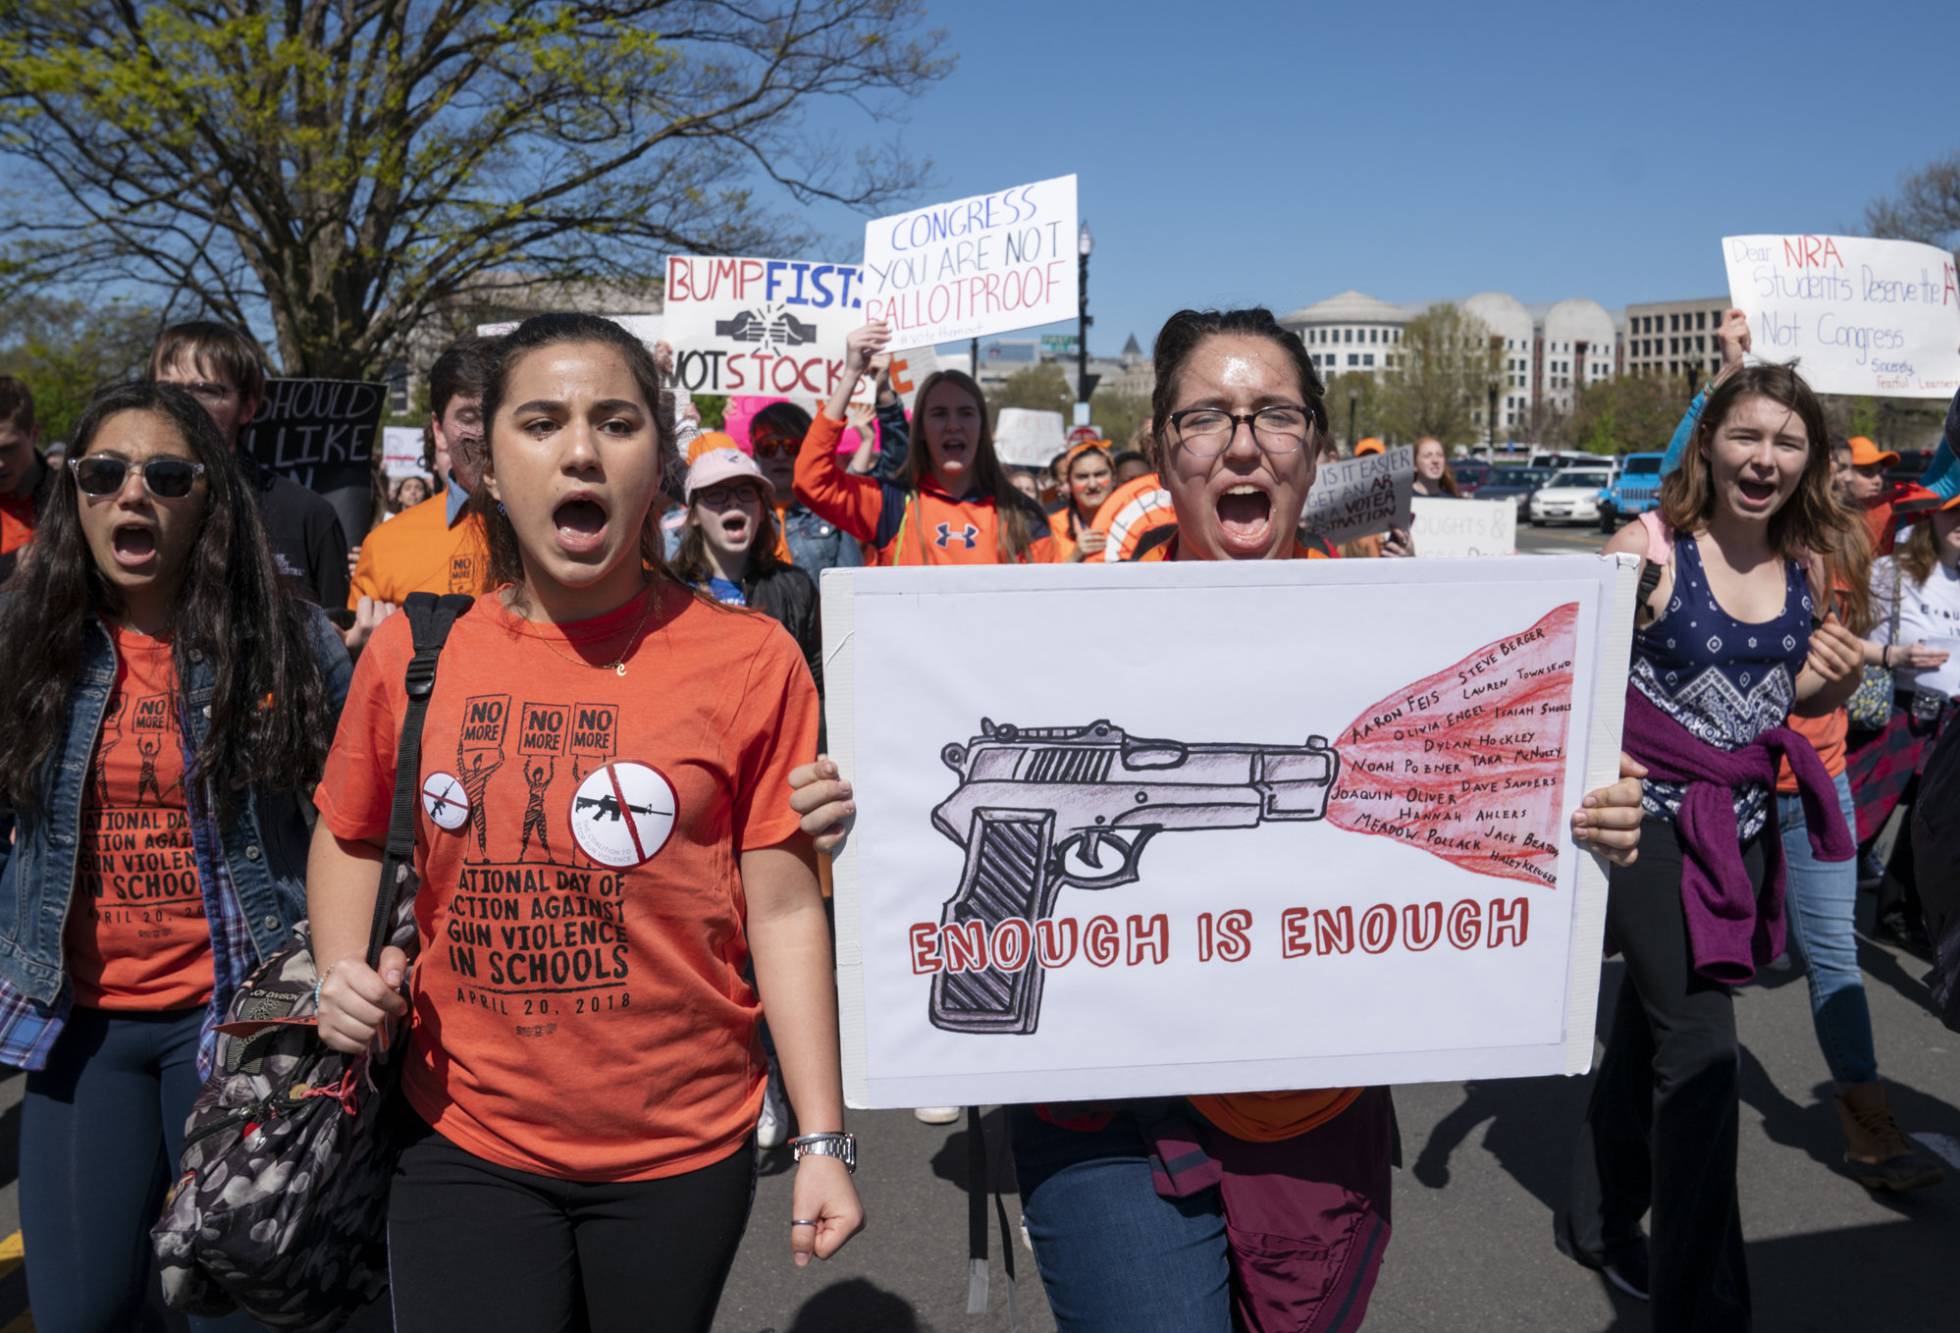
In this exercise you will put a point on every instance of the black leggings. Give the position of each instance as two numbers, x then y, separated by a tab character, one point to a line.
479	1246
1662	1125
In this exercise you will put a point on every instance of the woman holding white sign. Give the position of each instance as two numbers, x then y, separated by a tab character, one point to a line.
1732	634
954	503
1260	1210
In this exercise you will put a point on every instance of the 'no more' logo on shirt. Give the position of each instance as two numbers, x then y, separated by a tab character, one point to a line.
622	814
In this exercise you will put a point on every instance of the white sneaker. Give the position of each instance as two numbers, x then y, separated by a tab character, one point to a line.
938	1115
772	1130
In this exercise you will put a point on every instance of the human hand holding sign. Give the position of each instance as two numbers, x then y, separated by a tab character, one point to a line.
822	800
1733	335
862	347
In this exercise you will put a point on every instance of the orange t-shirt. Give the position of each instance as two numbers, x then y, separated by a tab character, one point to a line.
137	936
1267	1117
1826	735
417	551
579	1004
17	520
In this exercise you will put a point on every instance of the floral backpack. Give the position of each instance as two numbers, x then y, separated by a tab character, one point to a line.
280	1205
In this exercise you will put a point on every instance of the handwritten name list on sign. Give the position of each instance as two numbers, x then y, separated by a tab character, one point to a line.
774	327
973	267
1864	316
1359	497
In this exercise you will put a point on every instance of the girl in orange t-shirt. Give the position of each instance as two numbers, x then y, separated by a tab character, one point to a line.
1303	1174
606	849
1087	477
166	701
954	504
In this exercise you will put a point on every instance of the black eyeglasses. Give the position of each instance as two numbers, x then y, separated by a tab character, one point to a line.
165	478
1207	432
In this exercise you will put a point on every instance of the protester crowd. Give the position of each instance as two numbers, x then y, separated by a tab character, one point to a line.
207	703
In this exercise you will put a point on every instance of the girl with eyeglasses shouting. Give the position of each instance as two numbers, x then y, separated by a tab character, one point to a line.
167	701
1257	1211
951	504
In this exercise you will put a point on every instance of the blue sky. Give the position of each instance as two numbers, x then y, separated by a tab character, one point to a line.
1279	153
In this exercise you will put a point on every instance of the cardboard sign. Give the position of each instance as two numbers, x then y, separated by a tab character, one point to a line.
321	433
975	266
401	451
909	370
1065	887
1862	316
1360	497
1027	438
1441	525
771	327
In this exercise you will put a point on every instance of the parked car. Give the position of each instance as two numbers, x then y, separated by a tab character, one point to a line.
1571	496
1636	490
1516	484
1471	474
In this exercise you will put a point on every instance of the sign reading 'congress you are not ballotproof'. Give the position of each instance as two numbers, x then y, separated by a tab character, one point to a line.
973	267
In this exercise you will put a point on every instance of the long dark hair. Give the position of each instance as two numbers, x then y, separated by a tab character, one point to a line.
1180	337
691	560
1811	521
268	723
1018	520
506	563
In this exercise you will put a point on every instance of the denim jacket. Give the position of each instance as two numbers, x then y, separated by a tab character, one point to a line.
251	865
816	544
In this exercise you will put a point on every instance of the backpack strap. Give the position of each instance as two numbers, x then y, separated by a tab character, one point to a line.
430	619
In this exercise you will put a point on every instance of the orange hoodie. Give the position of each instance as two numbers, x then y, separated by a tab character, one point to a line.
922	527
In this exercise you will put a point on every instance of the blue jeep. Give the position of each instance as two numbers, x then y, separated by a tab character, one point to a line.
1635	490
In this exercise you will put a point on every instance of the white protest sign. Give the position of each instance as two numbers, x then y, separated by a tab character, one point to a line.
1441	525
1864	316
1064	887
976	266
910	370
401	451
772	327
1360	497
1024	437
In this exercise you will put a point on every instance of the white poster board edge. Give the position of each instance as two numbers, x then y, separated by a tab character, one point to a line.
839	589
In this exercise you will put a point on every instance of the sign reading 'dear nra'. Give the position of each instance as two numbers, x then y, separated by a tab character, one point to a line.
770	327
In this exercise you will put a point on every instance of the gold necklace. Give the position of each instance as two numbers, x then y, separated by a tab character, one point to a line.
618	664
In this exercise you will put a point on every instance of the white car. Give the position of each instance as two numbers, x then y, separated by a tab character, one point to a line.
1571	496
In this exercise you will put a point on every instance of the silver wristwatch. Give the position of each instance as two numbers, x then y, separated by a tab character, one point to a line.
844	1147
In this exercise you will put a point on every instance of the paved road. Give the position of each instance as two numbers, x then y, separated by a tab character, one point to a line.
1484	1166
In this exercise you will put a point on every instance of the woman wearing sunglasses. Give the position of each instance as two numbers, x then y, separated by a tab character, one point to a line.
166	700
775	434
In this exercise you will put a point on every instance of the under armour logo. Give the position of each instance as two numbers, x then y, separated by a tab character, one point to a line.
970	535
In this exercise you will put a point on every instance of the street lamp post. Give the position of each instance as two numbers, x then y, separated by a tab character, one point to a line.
1490	414
1084	243
1354	400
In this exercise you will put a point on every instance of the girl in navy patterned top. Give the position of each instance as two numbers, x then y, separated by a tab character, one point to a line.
1727	643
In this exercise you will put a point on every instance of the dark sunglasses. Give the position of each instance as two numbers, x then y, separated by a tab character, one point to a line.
768	446
165	478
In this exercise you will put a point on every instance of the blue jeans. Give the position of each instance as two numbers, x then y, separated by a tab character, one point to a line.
1115	1256
1821	899
101	1129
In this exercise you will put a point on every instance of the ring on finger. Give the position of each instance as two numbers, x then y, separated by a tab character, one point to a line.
802	1222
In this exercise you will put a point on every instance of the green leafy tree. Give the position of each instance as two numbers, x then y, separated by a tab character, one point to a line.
1445	363
65	350
1633	413
1365	392
1926	207
339	171
1118	415
1042	388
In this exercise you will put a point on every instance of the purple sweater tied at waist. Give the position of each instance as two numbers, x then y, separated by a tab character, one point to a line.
1731	930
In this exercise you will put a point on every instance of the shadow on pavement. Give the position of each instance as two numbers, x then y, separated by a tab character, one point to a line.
855	1306
949	1163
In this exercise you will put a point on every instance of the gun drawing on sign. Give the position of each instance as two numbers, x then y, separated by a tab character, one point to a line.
1040	809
